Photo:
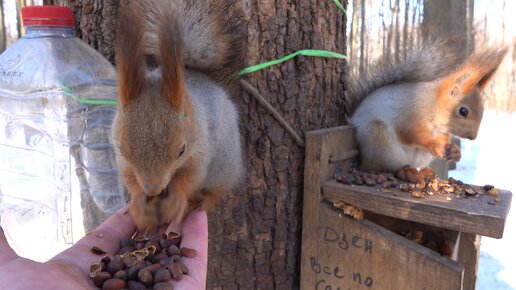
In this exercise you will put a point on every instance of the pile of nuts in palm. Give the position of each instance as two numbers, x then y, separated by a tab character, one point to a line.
418	187
142	263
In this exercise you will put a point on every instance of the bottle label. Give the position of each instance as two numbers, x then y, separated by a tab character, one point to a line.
10	74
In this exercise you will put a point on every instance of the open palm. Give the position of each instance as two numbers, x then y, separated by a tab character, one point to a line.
70	268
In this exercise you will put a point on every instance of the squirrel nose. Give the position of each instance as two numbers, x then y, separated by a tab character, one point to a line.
150	190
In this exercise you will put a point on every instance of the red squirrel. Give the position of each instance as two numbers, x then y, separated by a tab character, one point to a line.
176	131
408	109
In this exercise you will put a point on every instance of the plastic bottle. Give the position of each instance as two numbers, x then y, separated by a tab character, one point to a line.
57	103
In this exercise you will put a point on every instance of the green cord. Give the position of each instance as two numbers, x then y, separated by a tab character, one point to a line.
337	2
305	52
68	92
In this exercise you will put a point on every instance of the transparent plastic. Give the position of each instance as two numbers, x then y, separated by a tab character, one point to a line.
57	168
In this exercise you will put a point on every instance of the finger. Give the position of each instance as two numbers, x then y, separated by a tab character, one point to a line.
107	237
195	236
7	254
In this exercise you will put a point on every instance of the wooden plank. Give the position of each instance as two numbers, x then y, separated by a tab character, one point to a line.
321	146
469	254
362	255
478	215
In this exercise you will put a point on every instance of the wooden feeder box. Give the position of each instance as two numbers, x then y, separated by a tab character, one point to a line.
341	253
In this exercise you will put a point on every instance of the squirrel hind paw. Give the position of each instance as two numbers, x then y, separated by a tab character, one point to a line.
414	175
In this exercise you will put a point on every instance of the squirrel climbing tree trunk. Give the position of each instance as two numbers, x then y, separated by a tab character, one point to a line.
255	232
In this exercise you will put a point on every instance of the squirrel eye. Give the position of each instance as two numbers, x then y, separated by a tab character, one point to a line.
463	111
182	150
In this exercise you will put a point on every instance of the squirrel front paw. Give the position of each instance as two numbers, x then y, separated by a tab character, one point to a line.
437	149
452	152
145	213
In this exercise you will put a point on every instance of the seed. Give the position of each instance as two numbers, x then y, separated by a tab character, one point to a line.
129	260
176	257
140	255
121	274
187	252
152	249
494	192
159	256
470	191
135	285
145	276
153	268
106	259
183	267
95	269
380	179
139	245
153	244
173	235
417	194
370	181
348	179
141	239
132	273
165	243
98	251
125	250
163	286
173	250
167	261
162	275
126	242
386	184
115	265
420	185
101	278
113	284
176	271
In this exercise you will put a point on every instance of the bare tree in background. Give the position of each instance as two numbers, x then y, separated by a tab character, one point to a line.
3	32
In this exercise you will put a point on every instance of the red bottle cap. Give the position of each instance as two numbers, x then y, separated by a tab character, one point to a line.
47	16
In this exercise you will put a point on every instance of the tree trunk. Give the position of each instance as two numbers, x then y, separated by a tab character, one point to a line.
363	31
3	36
95	22
255	232
446	18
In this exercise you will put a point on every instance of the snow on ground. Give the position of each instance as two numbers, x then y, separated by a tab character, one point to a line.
491	159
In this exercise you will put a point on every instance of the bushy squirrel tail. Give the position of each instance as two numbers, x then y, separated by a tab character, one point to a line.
429	60
211	36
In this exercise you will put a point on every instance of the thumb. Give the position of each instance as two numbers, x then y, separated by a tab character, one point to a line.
7	254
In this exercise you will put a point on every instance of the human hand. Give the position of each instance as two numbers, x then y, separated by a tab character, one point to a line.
70	268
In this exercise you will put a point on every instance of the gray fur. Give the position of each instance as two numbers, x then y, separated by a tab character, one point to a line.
428	61
219	136
211	42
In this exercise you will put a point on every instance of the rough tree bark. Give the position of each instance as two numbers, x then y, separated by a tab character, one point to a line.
255	232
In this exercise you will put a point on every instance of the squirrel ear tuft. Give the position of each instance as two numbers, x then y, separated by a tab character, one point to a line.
129	53
483	65
171	51
476	73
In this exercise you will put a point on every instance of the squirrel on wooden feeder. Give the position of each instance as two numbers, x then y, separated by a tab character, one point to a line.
176	132
407	108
